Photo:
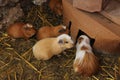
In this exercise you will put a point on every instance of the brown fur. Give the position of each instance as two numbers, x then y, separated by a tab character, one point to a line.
46	31
80	39
86	63
18	30
56	6
84	48
88	66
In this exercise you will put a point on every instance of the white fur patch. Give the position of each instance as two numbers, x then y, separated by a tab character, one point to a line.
81	53
85	38
62	36
29	25
64	27
65	36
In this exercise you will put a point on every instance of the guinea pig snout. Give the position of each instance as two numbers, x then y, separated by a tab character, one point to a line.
31	32
71	45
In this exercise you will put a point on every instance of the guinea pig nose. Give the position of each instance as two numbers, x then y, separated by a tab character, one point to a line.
72	44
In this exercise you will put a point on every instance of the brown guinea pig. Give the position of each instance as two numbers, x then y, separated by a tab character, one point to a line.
56	6
48	31
85	63
46	48
21	30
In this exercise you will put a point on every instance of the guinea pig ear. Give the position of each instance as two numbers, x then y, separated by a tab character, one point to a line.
80	40
60	41
61	30
29	25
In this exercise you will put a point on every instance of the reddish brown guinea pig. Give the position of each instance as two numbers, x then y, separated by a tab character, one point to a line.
56	6
53	31
21	30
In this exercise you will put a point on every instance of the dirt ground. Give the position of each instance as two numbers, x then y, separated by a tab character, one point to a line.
18	63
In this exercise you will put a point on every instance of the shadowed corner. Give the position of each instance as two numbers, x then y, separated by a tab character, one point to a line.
69	27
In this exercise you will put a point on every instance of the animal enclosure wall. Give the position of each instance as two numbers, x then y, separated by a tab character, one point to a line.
105	32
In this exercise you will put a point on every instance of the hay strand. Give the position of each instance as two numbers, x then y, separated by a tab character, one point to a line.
24	54
8	65
8	77
27	62
95	77
108	73
43	18
69	61
15	75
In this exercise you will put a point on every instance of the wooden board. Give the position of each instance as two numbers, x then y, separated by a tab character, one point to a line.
112	11
108	24
88	5
105	33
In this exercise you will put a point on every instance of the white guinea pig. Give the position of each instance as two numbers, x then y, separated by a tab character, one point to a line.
85	63
44	49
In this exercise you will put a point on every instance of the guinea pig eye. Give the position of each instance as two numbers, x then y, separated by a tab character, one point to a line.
66	42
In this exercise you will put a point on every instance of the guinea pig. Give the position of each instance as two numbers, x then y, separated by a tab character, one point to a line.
44	49
21	30
56	6
85	63
53	31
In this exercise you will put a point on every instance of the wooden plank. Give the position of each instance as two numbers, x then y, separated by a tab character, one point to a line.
106	23
88	5
112	11
106	39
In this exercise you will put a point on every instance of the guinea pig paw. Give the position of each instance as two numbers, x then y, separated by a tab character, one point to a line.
64	52
13	40
58	55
